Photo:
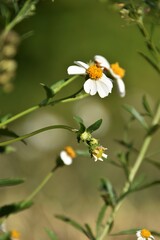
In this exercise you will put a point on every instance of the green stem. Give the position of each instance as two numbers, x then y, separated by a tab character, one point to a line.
56	90
36	132
19	115
132	175
41	185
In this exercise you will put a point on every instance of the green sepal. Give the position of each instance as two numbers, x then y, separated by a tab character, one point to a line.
94	126
6	182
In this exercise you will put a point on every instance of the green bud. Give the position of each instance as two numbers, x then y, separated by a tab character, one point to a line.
85	136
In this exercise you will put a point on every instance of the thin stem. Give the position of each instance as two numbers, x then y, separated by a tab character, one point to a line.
132	175
36	132
19	115
56	90
41	185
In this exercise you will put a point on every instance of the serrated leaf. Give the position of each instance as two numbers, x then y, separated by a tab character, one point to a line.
146	105
14	208
150	61
10	182
94	126
100	218
51	234
72	223
136	115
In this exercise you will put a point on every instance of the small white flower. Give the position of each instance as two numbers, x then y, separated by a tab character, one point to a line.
144	234
67	155
97	81
98	153
115	70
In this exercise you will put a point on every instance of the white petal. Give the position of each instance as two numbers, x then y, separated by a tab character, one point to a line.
76	70
138	233
100	159
102	61
107	81
65	158
121	87
82	64
104	86
104	155
90	87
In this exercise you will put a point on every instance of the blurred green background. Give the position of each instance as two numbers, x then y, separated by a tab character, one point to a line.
65	31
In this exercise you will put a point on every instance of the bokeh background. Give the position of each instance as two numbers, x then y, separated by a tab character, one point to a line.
64	31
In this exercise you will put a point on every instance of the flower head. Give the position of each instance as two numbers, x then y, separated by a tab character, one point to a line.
98	153
96	81
115	70
144	234
67	155
15	235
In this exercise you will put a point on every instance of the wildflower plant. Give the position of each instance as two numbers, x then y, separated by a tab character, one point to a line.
99	76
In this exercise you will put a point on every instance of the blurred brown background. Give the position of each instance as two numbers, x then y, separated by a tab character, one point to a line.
64	31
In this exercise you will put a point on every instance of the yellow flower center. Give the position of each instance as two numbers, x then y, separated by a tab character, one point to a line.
15	234
98	151
94	72
118	70
145	233
70	151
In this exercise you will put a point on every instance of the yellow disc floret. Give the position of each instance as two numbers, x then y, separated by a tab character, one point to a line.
118	70
94	72
145	233
15	234
70	151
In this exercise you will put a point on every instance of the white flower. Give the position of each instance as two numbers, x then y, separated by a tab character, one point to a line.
144	234
97	81
98	153
67	155
115	70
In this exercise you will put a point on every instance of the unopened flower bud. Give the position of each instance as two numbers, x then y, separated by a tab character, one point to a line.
85	136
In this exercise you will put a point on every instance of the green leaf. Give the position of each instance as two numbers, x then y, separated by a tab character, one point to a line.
94	126
89	231
146	106
108	193
136	115
72	223
49	92
14	208
150	61
51	234
5	236
153	129
8	133
10	182
100	218
147	185
126	232
78	119
5	118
